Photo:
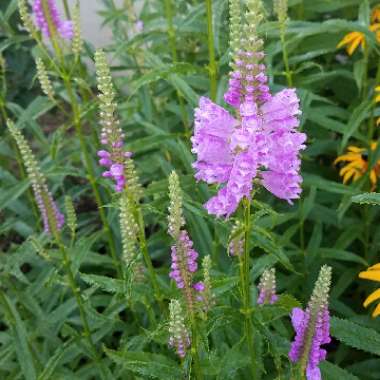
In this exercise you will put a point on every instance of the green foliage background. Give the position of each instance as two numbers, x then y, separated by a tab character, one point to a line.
332	223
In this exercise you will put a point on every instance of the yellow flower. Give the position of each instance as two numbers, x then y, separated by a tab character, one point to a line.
375	15
377	100
357	165
373	274
353	39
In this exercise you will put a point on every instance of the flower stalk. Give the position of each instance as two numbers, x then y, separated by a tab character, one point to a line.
212	68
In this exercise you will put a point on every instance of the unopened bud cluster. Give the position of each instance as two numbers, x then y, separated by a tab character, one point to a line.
52	218
281	10
44	79
77	42
267	287
71	215
236	239
179	337
175	218
117	162
129	231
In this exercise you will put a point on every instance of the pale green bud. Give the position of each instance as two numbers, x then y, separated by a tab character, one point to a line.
129	230
179	336
71	215
175	218
43	78
77	42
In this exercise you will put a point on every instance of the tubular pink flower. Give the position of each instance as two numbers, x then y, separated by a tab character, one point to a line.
264	143
63	27
184	265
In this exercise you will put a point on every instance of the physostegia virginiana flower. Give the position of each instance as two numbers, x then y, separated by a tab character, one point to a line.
262	141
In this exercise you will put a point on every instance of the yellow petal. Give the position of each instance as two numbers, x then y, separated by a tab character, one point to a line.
377	88
376	312
377	98
357	176
378	121
373	177
370	275
375	15
355	43
374	267
347	157
347	176
348	38
355	149
372	297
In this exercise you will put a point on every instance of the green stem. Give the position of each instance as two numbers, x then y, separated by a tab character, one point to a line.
195	347
365	74
285	58
173	48
245	288
75	290
147	259
211	51
67	9
78	129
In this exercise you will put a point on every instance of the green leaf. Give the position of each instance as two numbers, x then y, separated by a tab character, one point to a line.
108	284
358	116
354	335
333	372
146	364
23	351
367	198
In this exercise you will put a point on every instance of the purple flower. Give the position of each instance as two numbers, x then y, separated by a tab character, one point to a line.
261	142
312	328
139	26
184	265
264	143
63	27
184	261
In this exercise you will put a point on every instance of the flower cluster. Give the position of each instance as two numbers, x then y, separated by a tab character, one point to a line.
267	287
52	218
118	163
48	17
184	261
312	328
356	166
184	256
352	40
261	142
179	336
205	296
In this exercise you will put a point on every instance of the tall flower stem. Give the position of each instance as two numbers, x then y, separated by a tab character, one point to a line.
212	69
285	58
91	173
79	300
78	129
173	48
148	261
195	347
67	9
245	287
